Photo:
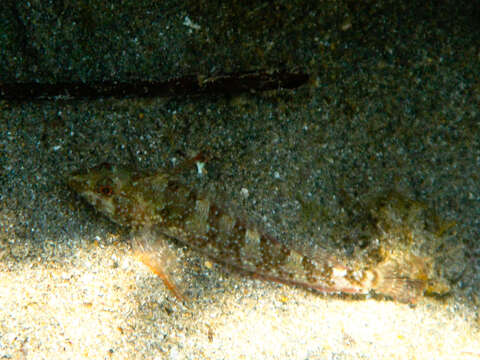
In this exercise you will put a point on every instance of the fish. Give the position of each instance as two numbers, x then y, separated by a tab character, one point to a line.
159	201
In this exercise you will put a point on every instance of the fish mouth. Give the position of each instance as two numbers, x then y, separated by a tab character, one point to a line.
77	182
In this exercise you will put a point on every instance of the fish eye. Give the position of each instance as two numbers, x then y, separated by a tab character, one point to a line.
105	187
105	190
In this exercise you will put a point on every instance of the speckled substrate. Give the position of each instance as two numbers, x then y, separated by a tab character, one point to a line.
393	104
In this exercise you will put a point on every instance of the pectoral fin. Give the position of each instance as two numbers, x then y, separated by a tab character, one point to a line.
159	258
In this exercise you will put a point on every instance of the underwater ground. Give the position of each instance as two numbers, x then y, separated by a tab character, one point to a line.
381	142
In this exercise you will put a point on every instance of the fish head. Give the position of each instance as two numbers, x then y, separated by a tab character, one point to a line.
121	194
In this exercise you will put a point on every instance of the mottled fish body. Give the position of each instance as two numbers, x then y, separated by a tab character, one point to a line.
137	199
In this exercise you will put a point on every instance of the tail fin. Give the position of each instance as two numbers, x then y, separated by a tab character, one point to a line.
402	278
